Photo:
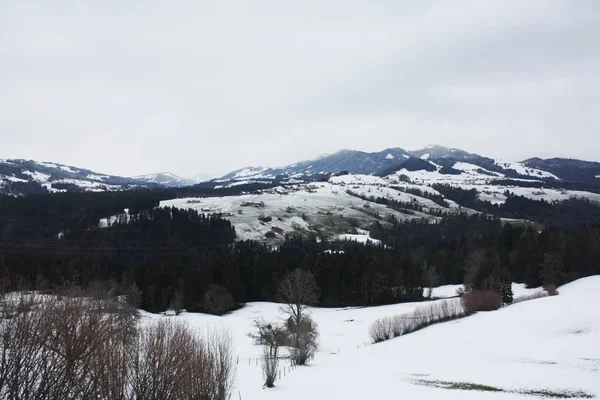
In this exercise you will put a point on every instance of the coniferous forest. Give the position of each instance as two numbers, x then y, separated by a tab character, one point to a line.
172	258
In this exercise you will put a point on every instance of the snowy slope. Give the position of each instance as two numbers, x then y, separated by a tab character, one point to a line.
338	206
544	344
329	207
26	176
166	179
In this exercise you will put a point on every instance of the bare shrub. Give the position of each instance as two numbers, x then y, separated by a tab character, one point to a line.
481	300
380	330
527	297
217	300
386	328
177	302
551	289
171	362
297	290
305	340
76	346
271	336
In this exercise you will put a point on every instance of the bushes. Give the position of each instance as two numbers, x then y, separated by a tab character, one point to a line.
387	328
381	330
217	300
271	336
481	300
77	347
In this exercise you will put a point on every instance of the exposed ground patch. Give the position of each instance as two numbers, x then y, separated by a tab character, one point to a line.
546	393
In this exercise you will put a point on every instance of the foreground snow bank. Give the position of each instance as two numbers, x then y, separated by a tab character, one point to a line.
546	344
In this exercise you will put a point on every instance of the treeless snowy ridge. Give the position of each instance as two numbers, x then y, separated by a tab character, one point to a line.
547	344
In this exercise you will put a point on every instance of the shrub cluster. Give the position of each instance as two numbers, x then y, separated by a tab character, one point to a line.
481	300
533	296
73	346
391	327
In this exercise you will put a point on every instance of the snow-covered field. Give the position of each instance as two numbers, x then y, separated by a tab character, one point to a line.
338	207
548	344
318	207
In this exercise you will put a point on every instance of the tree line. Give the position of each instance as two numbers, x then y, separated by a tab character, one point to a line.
181	259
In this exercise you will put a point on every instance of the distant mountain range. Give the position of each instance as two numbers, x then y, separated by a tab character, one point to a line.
431	158
26	176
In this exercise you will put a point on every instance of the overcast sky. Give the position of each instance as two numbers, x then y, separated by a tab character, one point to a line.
205	87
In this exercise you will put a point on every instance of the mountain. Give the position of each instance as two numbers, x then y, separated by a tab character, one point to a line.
19	177
389	161
166	179
437	152
568	169
351	161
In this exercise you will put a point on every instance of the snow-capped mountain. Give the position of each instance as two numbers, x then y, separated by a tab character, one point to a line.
26	177
432	158
568	169
166	179
351	161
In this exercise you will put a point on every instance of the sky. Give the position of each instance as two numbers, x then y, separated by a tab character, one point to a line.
207	87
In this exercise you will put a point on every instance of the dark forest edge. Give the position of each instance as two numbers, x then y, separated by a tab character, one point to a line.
181	259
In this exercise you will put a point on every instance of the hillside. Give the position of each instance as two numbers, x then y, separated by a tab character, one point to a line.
346	203
544	346
19	177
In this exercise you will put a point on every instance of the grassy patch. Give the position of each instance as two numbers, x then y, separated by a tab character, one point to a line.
459	386
563	394
547	393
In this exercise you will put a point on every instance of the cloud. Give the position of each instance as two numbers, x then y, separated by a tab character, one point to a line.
206	87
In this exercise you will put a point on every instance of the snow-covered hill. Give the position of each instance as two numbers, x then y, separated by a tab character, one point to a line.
27	176
391	160
349	203
541	348
331	208
166	179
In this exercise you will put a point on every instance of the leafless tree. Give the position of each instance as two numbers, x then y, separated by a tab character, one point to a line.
297	290
177	302
217	300
82	345
271	337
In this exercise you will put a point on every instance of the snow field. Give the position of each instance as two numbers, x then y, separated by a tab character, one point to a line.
544	344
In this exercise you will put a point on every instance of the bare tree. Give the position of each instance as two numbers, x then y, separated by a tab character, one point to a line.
430	277
271	336
81	346
297	290
552	270
177	302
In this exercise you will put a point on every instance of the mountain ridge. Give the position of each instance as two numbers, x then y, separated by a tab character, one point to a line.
20	176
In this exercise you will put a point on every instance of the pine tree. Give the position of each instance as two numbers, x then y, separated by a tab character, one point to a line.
552	270
507	293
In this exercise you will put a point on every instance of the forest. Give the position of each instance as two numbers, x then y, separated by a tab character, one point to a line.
169	258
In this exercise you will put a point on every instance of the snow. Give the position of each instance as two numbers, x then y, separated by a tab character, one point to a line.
544	344
327	206
389	156
425	156
89	186
358	179
522	169
323	206
109	221
360	238
597	176
37	176
448	291
57	166
472	178
473	169
249	172
96	177
15	179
